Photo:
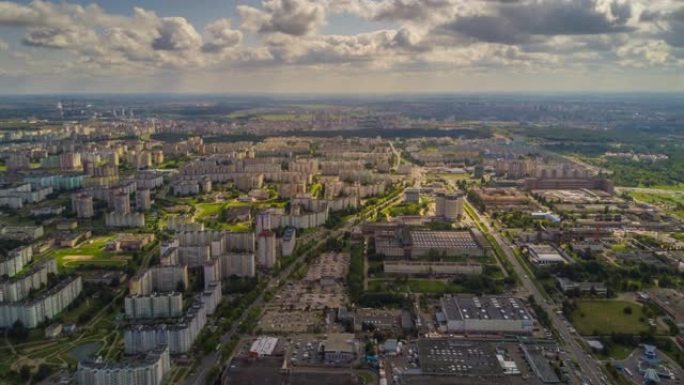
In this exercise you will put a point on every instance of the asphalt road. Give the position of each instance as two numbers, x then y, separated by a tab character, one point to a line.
588	366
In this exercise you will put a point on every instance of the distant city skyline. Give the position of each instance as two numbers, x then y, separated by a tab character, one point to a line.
341	46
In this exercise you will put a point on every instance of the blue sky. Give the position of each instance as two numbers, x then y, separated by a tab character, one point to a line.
345	46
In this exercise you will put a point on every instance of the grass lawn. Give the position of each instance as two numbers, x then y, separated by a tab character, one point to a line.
621	246
619	352
208	209
672	201
71	316
315	189
237	203
239	227
91	251
366	377
278	203
604	317
676	187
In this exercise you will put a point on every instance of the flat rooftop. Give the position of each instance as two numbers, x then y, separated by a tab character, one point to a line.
545	253
671	300
263	346
468	307
442	239
534	354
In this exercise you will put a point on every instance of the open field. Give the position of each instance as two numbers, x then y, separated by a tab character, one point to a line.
620	246
90	252
669	198
208	209
617	351
239	227
671	201
603	317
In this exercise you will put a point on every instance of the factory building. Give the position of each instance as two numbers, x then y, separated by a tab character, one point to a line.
403	242
469	314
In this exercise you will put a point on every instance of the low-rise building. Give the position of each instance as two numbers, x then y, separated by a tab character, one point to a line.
338	349
431	268
568	285
469	314
544	255
22	233
130	242
403	242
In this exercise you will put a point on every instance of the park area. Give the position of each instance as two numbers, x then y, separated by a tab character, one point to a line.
604	317
91	252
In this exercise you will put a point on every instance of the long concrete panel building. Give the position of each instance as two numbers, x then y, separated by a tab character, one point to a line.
149	369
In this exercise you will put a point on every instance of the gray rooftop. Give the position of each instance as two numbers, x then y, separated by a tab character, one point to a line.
485	308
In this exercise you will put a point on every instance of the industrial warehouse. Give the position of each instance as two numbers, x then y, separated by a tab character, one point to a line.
404	242
468	314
